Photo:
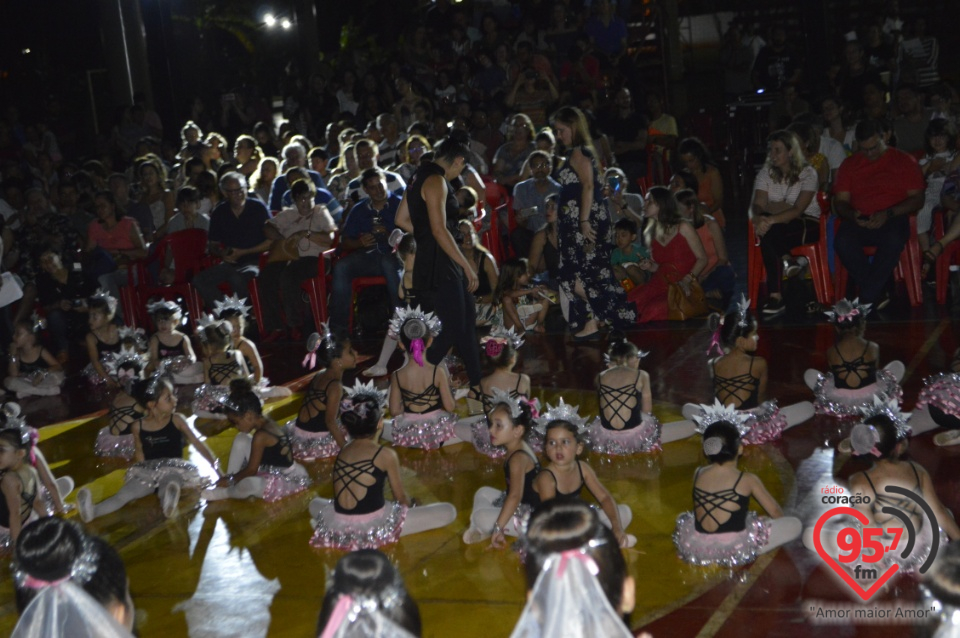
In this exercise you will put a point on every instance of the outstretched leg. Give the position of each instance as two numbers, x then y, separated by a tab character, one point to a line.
426	517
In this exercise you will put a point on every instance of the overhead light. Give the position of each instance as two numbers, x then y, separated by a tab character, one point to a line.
25	51
286	24
269	19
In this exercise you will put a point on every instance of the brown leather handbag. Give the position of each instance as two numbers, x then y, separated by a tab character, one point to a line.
681	305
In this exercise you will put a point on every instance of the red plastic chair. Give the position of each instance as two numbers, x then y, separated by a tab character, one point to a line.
908	270
949	256
815	253
188	249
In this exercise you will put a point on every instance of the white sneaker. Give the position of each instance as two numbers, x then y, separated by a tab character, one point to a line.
375	371
85	505
170	499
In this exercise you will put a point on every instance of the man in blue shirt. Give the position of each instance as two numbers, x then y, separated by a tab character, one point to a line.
236	235
293	155
367	253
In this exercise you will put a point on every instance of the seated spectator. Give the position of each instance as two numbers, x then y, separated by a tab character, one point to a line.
662	131
208	190
696	158
910	126
262	181
533	94
61	292
153	189
393	140
69	207
854	78
718	278
777	64
188	215
299	235
810	147
365	247
319	160
140	212
413	149
877	189
509	158
529	203
836	128
293	155
247	155
628	131
607	31
626	257
620	203
236	236
484	265
322	196
118	242
366	154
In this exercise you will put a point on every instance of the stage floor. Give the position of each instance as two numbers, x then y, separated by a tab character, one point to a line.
245	568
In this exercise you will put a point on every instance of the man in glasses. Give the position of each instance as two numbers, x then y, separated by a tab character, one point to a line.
529	202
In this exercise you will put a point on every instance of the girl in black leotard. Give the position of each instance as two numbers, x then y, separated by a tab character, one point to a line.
406	247
261	461
160	438
497	514
170	350
566	476
103	340
316	432
721	530
19	484
854	377
32	370
116	438
420	396
221	365
358	516
740	377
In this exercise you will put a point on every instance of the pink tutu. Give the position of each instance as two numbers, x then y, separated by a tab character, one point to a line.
209	398
281	482
481	440
846	404
766	424
310	446
427	431
643	438
359	531
729	549
941	391
151	473
91	374
114	445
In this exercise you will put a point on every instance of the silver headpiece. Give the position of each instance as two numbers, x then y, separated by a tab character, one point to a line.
137	335
889	408
233	302
165	305
426	323
562	411
82	569
710	414
205	320
352	398
498	396
503	336
743	311
846	311
12	415
105	295
125	356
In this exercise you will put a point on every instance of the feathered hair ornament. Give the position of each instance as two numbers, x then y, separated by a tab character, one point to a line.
846	311
415	325
234	303
357	398
106	297
324	336
710	414
889	408
743	311
136	336
494	343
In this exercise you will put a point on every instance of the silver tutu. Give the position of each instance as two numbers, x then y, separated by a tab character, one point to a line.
427	431
360	531
310	446
280	482
729	549
151	473
114	445
847	404
766	424
645	437
210	398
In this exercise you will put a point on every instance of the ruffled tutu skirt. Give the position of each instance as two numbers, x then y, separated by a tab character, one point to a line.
846	404
151	473
942	392
91	374
645	437
427	431
480	437
114	445
208	400
280	482
766	424
729	549
310	446
358	531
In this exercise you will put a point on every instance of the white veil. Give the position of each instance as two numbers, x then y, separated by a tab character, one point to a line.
361	618
65	610
567	600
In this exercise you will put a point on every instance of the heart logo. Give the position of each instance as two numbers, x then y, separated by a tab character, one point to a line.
865	594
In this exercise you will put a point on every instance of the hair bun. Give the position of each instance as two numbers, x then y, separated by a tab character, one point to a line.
415	329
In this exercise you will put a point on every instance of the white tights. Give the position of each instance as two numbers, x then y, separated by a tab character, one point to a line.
131	491
782	531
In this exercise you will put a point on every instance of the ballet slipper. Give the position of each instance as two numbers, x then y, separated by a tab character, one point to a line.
947	439
375	371
690	410
85	505
473	536
170	499
798	413
811	377
897	369
215	494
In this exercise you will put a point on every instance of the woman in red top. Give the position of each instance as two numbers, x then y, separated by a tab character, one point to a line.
677	255
116	237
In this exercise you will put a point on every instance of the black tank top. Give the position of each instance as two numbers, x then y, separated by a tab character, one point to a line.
318	422
864	371
26	504
280	453
29	367
165	443
726	389
737	505
432	265
568	496
530	496
170	352
483	288
103	347
350	474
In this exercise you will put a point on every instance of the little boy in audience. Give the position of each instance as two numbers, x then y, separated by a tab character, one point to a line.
627	254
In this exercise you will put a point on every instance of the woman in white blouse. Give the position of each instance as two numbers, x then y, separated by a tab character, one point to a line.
785	213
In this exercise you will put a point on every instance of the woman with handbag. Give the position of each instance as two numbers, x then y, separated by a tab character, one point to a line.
299	235
677	260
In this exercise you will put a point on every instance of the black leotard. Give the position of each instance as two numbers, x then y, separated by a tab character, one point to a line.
865	371
220	372
122	418
103	348
349	473
171	352
420	402
280	454
568	496
29	367
26	504
487	399
885	499
165	443
318	423
530	496
729	386
722	500
619	400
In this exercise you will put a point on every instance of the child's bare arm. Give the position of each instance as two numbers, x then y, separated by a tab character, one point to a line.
760	493
250	351
646	395
11	487
391	465
184	426
334	394
512	501
605	500
446	396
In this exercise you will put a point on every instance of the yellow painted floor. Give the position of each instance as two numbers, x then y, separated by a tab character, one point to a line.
245	568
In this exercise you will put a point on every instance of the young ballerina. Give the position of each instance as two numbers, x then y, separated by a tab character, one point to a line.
68	583
522	310
365	590
170	350
159	438
566	476
32	370
221	365
316	432
721	530
19	484
626	424
421	402
103	340
855	377
406	247
358	517
234	310
116	439
740	378
261	461
882	438
577	579
939	406
497	514
53	489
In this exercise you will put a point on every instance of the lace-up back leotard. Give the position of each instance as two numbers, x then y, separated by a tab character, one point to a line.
729	389
865	372
317	422
428	400
617	402
885	499
530	496
224	372
121	418
349	475
728	500
280	454
487	399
